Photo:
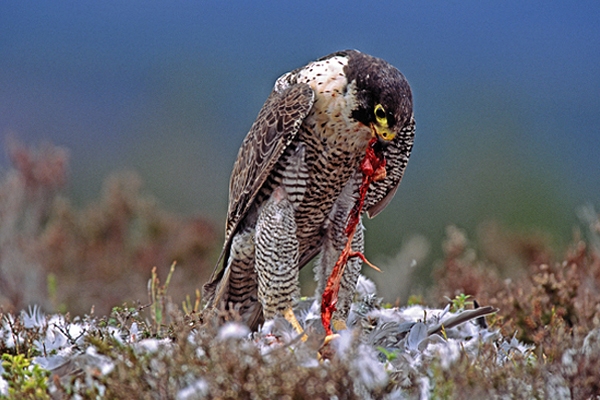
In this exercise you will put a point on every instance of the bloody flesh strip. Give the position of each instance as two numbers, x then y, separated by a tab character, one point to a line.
373	169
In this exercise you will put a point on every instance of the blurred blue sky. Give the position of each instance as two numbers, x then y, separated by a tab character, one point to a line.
507	97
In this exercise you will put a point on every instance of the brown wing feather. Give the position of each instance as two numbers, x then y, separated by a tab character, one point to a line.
276	125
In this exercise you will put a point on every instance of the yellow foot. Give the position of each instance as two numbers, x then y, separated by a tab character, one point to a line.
330	338
288	314
338	325
326	351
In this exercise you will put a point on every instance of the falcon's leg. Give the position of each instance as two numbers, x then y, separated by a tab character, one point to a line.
335	241
276	258
349	280
241	290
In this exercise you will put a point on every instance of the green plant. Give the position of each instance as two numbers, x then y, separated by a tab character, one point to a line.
158	298
25	381
415	300
389	355
460	302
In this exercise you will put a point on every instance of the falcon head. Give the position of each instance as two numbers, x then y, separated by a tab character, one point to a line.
383	99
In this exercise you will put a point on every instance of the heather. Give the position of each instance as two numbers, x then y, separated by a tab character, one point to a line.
103	302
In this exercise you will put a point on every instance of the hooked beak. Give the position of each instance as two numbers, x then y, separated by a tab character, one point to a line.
383	134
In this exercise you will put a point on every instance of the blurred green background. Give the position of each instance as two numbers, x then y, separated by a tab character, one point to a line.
506	100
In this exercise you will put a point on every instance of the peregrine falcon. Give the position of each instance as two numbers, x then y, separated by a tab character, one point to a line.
296	178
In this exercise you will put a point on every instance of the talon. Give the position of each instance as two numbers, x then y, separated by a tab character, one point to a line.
329	338
288	314
326	351
364	259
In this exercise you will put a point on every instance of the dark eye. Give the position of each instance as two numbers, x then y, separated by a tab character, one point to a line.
380	115
379	111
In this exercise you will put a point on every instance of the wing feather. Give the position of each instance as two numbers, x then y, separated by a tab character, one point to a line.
275	127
